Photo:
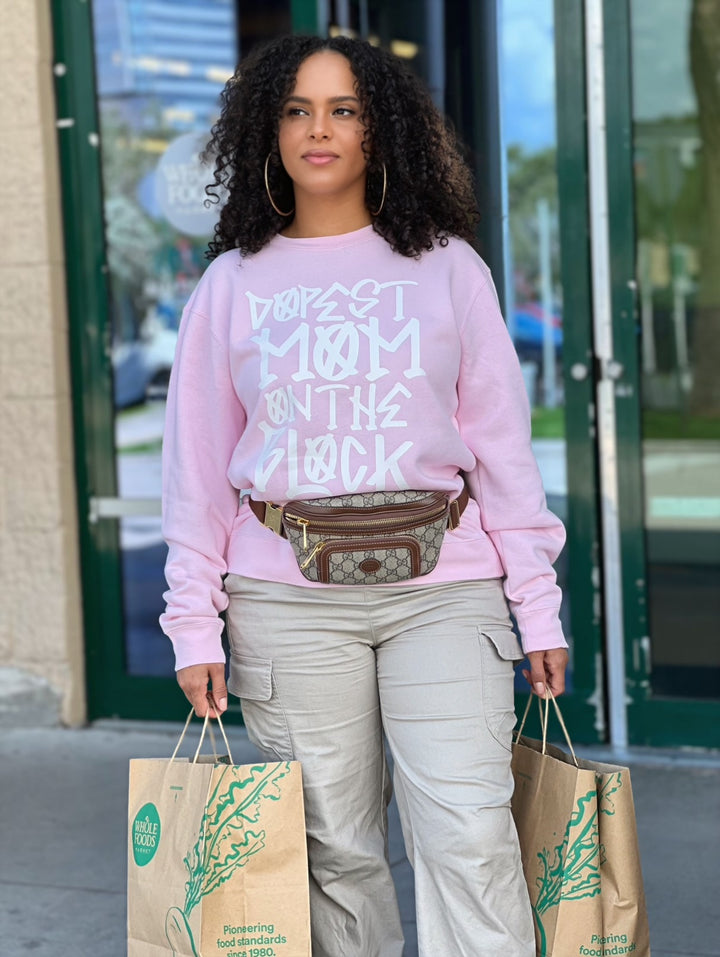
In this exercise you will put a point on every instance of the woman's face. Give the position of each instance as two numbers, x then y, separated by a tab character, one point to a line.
320	135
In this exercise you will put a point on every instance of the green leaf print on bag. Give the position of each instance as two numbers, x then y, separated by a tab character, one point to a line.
224	844
572	870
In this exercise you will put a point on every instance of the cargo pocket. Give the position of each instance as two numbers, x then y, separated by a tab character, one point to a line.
251	679
500	650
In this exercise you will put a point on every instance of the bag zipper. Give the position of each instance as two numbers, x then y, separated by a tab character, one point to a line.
313	553
422	515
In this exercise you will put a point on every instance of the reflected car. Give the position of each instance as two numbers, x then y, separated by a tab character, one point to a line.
141	368
529	331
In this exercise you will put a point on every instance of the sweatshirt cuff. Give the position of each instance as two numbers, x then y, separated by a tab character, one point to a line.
540	630
197	644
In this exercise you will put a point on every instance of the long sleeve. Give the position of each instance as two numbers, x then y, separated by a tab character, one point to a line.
494	421
204	422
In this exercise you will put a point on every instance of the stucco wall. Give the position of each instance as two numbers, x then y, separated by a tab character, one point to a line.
40	617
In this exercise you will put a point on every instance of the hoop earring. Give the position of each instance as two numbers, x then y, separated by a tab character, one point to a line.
267	190
384	191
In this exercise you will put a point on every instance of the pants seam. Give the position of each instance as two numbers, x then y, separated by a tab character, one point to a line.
283	712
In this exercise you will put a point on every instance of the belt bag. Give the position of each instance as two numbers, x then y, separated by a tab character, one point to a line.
371	538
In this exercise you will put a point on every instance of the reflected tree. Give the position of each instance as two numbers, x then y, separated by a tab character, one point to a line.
531	177
133	237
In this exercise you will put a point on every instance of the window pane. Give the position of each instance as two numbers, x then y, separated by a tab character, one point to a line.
532	283
160	68
676	88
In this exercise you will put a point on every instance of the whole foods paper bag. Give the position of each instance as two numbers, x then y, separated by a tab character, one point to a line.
217	860
580	855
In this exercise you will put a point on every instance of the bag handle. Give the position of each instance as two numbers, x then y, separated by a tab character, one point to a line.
544	714
206	726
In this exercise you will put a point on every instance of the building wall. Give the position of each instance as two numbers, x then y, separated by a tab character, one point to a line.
41	645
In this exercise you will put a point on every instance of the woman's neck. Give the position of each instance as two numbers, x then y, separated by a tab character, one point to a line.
326	217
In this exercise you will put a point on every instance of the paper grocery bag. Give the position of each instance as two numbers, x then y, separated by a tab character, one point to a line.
576	824
217	860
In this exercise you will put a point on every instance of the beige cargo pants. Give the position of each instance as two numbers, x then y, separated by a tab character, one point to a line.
322	673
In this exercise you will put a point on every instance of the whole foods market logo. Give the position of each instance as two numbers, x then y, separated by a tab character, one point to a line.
145	834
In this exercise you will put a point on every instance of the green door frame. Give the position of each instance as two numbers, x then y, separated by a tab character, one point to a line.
651	719
110	692
585	708
87	299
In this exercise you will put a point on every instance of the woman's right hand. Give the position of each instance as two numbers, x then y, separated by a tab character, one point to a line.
547	671
204	687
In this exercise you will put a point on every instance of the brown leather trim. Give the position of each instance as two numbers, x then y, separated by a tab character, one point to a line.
344	545
258	509
457	507
262	510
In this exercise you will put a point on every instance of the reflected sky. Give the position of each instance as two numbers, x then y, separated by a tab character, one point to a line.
528	73
662	86
527	43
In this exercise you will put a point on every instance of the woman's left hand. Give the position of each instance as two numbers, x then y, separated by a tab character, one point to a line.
547	670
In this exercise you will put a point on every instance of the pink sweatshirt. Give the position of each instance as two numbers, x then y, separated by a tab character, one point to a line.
324	366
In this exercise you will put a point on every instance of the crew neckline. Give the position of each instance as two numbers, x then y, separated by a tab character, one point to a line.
329	242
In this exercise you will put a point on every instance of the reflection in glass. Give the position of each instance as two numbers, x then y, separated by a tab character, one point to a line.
160	68
676	88
533	289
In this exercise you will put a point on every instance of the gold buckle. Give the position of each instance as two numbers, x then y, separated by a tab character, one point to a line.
273	517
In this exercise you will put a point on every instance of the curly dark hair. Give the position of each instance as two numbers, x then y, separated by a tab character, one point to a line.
429	187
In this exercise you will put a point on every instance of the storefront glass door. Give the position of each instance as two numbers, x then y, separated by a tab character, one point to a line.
160	69
548	308
676	163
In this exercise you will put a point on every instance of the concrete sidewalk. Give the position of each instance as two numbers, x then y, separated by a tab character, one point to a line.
63	795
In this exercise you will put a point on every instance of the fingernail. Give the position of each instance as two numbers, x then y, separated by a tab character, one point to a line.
539	687
222	704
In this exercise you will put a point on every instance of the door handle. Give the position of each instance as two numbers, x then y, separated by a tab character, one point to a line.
109	507
613	369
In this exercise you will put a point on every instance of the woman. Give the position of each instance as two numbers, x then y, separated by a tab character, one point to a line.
346	340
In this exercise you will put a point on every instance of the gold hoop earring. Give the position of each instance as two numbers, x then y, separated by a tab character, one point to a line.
267	190
384	191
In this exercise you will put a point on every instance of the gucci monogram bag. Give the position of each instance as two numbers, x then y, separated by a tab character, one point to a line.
371	538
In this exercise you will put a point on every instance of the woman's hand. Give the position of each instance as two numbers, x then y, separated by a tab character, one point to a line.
547	670
204	687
